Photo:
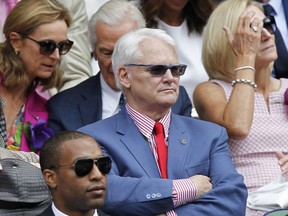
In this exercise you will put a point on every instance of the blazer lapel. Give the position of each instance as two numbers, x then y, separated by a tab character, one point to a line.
91	105
137	144
178	146
285	8
91	110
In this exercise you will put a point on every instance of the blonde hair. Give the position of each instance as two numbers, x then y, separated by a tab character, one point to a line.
25	17
218	57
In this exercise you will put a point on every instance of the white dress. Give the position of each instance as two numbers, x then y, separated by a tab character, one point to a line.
189	49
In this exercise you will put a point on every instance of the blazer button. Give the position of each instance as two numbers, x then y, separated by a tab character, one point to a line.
184	141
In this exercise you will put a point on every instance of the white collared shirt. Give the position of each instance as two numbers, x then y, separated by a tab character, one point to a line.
110	99
59	213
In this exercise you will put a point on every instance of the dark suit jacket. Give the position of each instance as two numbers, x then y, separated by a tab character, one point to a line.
281	63
194	148
49	212
82	105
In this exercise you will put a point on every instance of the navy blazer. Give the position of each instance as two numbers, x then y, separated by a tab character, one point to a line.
47	212
194	147
82	105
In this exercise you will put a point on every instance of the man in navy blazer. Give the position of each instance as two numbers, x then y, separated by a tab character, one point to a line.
201	178
97	98
82	105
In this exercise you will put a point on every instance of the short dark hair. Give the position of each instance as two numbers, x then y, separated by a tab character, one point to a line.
51	151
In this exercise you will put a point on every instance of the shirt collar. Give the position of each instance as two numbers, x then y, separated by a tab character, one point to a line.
57	212
146	124
106	89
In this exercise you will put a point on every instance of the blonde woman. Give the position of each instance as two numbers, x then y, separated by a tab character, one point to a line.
238	54
29	58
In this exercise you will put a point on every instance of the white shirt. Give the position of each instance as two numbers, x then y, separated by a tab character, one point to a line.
189	49
280	19
57	212
110	99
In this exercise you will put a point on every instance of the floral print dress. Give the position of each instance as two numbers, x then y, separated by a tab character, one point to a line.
11	139
36	134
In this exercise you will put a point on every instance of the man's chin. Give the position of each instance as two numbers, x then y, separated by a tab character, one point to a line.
168	103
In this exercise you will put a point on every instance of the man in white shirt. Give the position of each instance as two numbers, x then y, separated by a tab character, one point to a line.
98	97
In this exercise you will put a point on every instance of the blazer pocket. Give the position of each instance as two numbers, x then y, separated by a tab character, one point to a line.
199	169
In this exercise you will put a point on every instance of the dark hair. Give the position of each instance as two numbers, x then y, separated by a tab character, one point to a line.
25	17
51	151
196	12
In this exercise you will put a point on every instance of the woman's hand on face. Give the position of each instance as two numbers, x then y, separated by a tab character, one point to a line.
283	163
246	40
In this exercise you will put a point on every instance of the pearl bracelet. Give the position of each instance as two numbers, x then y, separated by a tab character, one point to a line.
245	81
244	67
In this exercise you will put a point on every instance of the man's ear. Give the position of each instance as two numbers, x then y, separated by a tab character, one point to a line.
124	77
15	41
50	177
95	55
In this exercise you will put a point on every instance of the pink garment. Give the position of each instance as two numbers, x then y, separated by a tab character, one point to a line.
255	156
35	109
11	4
5	7
3	14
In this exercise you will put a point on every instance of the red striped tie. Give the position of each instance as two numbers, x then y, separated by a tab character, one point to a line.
161	148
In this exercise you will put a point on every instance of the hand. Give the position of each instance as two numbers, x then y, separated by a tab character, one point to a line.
283	163
202	184
245	42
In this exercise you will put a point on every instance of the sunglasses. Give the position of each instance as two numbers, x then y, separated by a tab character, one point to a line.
83	167
47	47
270	24
160	70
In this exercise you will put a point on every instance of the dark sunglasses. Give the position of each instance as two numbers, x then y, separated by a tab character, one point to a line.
270	24
47	47
83	167
160	70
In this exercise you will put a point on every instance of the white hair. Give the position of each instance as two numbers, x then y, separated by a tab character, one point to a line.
113	13
127	51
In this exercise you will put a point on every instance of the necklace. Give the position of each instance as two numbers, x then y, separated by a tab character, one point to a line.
10	112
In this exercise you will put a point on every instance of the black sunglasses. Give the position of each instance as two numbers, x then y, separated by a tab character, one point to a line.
83	167
160	70
270	24
47	47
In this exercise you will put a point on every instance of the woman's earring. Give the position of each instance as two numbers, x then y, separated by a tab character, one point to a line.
16	51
